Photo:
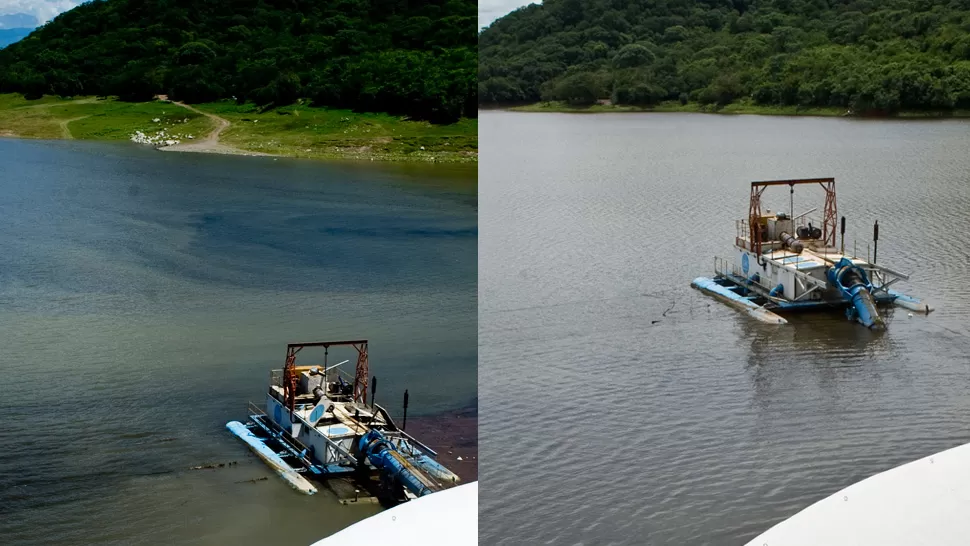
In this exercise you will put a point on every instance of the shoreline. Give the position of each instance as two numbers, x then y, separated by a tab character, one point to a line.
451	434
738	108
226	128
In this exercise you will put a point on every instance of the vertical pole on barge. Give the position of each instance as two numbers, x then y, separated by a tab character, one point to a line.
791	203
875	241
843	236
373	391
404	426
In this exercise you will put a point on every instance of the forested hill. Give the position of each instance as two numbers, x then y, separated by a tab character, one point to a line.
868	55
411	57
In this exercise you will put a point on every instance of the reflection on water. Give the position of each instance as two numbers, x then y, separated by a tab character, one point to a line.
817	350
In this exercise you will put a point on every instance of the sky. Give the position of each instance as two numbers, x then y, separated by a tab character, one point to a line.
43	10
490	10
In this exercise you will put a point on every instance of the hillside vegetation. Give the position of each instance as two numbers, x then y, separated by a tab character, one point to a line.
865	55
404	57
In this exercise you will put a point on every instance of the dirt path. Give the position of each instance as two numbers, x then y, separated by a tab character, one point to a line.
209	144
65	131
61	123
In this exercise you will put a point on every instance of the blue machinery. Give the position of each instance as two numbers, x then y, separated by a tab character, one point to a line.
393	466
853	283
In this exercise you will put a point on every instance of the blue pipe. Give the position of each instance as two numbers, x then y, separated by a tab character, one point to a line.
853	283
383	455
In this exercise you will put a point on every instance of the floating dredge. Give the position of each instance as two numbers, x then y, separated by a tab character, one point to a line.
790	263
318	426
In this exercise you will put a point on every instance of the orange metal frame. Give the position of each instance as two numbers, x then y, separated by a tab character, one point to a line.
829	218
291	378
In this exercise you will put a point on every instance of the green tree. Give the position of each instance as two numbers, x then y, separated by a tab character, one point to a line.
416	59
871	56
581	89
633	55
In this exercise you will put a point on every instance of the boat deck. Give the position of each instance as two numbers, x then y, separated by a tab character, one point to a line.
810	259
338	422
814	256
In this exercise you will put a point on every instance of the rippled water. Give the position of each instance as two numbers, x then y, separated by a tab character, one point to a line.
620	406
144	298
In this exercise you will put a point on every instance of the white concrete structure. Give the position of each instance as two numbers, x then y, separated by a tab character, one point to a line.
925	502
446	518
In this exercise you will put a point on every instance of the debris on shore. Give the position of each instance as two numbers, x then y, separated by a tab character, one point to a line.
162	137
213	465
159	139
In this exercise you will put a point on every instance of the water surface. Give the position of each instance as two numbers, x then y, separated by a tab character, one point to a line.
620	406
145	296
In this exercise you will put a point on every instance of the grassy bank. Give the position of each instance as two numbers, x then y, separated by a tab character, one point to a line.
292	131
92	119
302	131
733	108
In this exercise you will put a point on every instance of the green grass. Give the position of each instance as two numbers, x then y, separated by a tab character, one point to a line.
94	119
303	131
293	131
737	108
113	120
557	106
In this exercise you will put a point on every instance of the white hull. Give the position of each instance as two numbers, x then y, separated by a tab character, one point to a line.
447	518
924	502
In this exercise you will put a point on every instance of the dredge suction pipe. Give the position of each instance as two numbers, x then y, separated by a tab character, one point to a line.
853	283
391	463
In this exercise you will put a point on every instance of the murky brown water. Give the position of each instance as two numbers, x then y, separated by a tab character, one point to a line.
604	421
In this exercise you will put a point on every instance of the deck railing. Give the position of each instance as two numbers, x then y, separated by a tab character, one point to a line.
253	409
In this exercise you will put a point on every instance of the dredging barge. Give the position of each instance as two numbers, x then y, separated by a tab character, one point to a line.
317	426
790	263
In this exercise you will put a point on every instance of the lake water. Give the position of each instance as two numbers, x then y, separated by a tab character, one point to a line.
144	298
604	421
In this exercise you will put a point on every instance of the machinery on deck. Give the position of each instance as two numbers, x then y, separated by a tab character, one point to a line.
317	425
782	272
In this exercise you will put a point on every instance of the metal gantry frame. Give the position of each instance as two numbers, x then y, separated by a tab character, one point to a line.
291	378
829	219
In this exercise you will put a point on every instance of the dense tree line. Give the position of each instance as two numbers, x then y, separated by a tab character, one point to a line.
410	57
867	55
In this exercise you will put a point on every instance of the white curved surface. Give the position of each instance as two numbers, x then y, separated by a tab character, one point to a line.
446	518
925	502
270	457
